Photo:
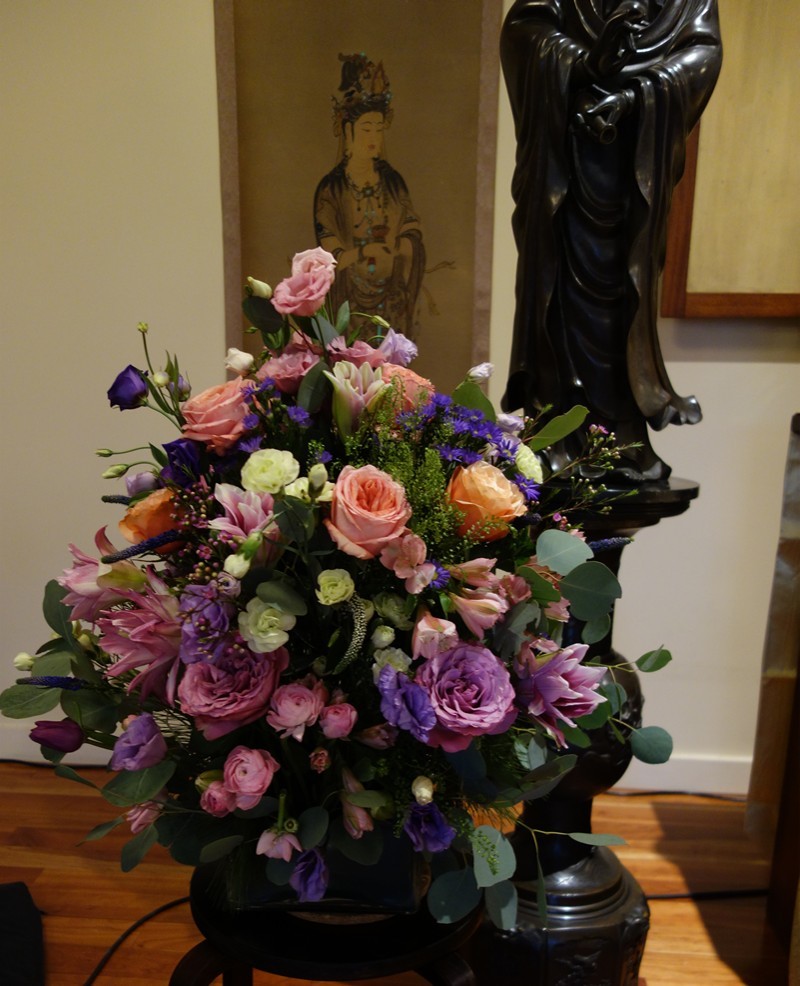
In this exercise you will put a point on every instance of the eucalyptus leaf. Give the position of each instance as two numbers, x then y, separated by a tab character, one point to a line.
212	851
67	772
283	596
576	737
295	519
366	850
596	838
615	694
368	799
103	829
469	394
132	787
133	852
24	701
591	589
558	427
313	826
597	718
501	905
551	770
541	590
91	710
537	753
651	744
594	630
493	856
279	871
654	660
55	662
561	552
453	895
541	893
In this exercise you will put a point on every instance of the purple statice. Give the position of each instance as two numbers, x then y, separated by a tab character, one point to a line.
206	612
298	415
140	745
428	829
129	389
183	462
309	880
65	735
404	704
528	487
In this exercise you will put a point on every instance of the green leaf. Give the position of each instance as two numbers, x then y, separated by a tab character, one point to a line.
91	710
594	630
493	856
283	596
541	893
597	718
343	317
103	829
56	614
596	838
279	871
537	753
541	590
54	662
558	427
24	701
469	394
262	314
65	771
212	851
325	332
295	519
313	826
453	895
591	589
552	770
367	850
159	455
508	634
615	695
368	799
576	737
501	905
133	852
651	744
561	552
314	388
653	660
132	787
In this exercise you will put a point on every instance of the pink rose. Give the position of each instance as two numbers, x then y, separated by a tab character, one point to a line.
217	800
216	416
304	291
288	369
368	511
297	705
247	774
337	721
233	691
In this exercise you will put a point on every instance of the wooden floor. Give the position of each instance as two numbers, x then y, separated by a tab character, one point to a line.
675	844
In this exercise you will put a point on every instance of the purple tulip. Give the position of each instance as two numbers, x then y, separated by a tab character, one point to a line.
65	736
310	877
428	829
129	390
140	746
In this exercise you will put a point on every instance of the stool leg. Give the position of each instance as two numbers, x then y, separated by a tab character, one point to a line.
449	970
202	964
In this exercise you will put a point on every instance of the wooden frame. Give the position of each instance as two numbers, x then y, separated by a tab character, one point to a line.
443	139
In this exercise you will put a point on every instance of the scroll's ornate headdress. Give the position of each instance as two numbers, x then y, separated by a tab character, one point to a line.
364	88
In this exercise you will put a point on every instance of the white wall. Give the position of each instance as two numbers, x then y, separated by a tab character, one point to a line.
110	191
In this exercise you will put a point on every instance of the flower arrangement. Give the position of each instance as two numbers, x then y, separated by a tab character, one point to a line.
340	619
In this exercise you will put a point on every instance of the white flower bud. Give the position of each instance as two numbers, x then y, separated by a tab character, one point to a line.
481	372
259	288
237	566
383	636
422	789
317	477
239	361
114	472
24	661
160	379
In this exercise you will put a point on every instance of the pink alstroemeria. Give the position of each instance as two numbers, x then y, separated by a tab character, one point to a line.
354	390
278	845
405	556
432	635
480	609
146	637
92	586
558	688
247	513
477	572
357	820
513	587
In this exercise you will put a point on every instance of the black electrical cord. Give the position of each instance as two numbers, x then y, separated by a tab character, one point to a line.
128	932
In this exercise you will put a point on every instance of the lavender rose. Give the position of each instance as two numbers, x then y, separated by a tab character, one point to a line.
471	694
140	745
310	877
428	829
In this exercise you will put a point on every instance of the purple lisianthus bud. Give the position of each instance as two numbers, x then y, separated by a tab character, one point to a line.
140	482
310	877
404	704
183	466
129	390
140	746
65	735
428	829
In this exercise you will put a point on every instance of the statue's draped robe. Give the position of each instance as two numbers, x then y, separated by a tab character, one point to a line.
590	218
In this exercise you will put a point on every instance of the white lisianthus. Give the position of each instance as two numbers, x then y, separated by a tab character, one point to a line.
23	661
422	789
481	372
264	625
383	636
528	463
239	361
268	470
298	489
335	586
398	659
259	288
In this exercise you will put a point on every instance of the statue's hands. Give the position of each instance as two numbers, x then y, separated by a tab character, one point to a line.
598	113
616	43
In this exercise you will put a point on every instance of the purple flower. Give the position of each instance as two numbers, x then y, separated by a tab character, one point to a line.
298	415
404	704
471	694
428	829
129	390
65	736
140	482
396	348
206	618
310	877
140	746
183	457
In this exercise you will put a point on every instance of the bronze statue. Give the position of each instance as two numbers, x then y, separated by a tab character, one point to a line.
604	94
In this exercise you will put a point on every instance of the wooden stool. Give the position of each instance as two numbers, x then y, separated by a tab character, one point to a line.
283	944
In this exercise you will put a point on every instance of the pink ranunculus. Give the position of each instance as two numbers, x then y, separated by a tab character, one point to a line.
480	609
247	774
432	635
93	587
217	800
145	636
558	688
337	721
288	369
319	760
304	291
216	415
413	388
368	511
471	694
477	572
278	845
231	692
297	705
358	353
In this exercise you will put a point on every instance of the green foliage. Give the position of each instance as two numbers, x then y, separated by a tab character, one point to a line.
91	710
654	660
469	394
651	744
558	427
134	851
24	701
560	551
493	856
591	589
501	904
313	826
132	787
453	895
596	838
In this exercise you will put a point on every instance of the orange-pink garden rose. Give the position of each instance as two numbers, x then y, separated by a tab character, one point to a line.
149	517
413	388
216	416
481	492
368	511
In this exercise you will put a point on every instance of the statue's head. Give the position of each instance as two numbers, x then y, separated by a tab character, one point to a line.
362	111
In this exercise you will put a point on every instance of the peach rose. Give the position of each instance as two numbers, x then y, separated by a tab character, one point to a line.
368	511
413	388
149	517
482	492
216	416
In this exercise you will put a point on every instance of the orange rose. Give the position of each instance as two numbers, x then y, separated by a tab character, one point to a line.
153	515
483	493
413	388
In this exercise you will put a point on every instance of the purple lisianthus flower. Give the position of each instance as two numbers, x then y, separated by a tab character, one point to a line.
309	879
140	746
140	482
428	829
64	735
207	614
397	348
404	704
183	466
471	694
129	389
